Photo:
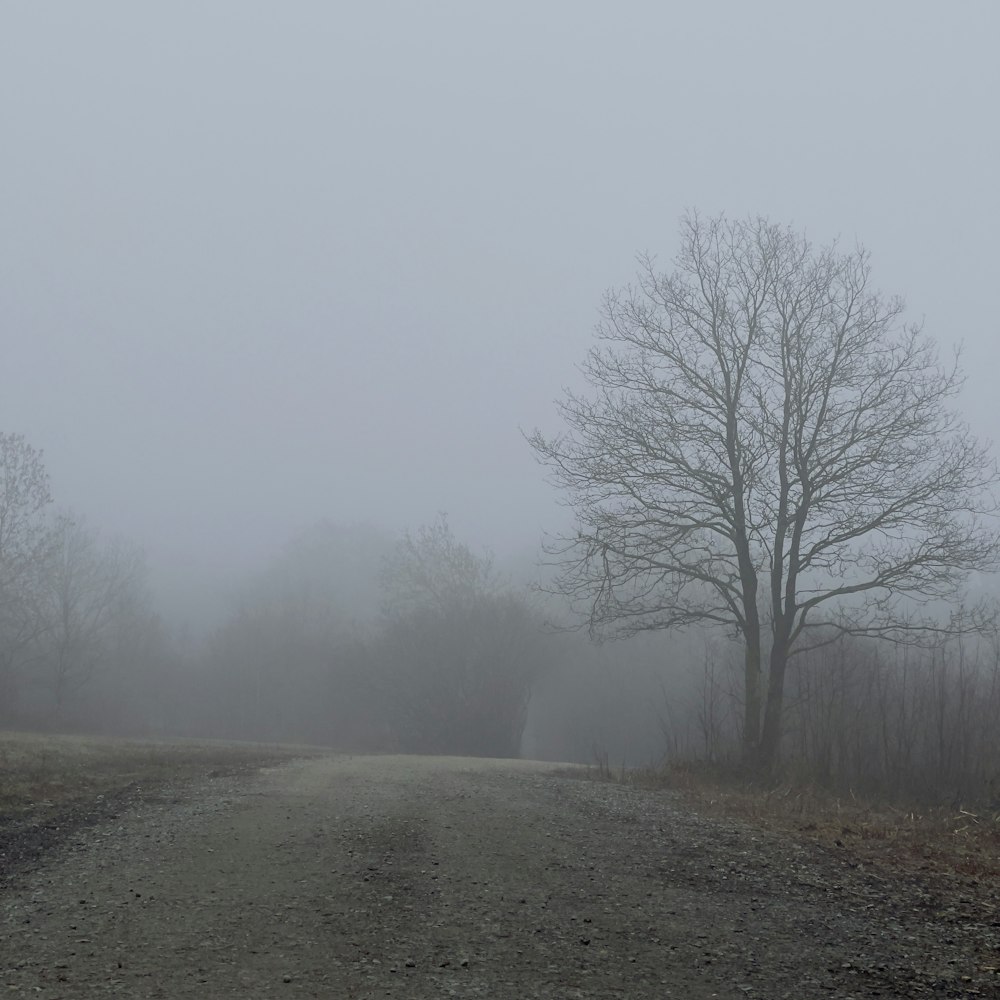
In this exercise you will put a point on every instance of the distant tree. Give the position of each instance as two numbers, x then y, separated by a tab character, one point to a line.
287	663
458	652
25	541
770	449
89	597
140	687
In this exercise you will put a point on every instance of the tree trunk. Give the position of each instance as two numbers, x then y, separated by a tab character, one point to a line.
770	741
751	710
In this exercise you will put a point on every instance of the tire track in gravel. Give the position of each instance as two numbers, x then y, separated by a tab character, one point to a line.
429	877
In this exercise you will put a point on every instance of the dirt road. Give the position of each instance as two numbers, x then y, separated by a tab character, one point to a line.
413	877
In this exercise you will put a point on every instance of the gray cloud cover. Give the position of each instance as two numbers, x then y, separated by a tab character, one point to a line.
263	263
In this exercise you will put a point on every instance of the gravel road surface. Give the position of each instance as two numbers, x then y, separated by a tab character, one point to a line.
409	877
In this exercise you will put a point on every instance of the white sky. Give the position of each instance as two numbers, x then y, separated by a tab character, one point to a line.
263	263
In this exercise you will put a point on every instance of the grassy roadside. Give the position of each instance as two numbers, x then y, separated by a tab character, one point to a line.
43	775
948	841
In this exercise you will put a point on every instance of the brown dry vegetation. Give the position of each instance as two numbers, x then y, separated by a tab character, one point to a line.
954	852
954	844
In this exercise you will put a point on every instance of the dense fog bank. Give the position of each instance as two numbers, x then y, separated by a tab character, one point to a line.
365	640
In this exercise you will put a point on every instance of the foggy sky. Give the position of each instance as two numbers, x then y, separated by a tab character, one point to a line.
263	263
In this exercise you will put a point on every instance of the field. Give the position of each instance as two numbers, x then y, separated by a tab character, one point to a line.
51	785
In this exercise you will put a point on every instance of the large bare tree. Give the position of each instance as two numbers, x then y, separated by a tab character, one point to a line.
767	447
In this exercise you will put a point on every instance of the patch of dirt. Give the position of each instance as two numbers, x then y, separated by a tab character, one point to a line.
25	840
419	877
51	786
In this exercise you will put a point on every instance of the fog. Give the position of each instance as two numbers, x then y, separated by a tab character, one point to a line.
269	265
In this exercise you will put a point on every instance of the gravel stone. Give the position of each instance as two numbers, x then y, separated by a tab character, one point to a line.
425	877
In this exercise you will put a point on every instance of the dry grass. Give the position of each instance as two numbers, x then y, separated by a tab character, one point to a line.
43	774
962	842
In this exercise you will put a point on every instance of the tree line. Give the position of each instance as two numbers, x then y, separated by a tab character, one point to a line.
70	602
347	639
437	654
766	456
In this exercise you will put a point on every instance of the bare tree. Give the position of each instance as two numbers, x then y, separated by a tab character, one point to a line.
769	448
25	540
458	652
289	662
433	570
89	589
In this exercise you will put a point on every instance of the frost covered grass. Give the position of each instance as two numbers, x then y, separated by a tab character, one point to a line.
43	773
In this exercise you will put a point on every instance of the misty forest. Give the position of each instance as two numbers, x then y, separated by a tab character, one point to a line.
776	553
499	499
